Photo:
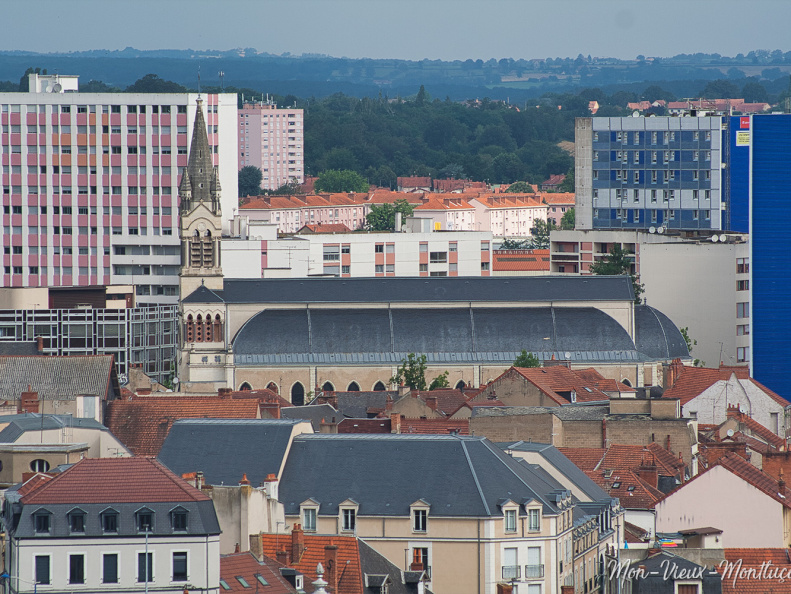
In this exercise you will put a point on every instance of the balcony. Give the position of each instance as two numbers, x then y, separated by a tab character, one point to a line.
534	572
512	572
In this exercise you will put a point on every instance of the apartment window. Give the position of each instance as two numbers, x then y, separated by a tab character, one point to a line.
743	310
145	567
110	568
654	177
345	269
349	519
180	566
419	518
695	194
534	520
484	266
653	195
379	268
345	249
42	563
636	194
77	521
438	257
76	569
309	519
41	522
420	555
423	268
379	248
484	246
742	266
390	268
742	354
742	285
695	155
109	521
510	520
743	330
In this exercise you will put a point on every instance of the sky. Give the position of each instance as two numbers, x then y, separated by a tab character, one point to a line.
403	29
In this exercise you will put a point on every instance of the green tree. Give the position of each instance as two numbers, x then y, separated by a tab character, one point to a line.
526	359
381	217
619	262
520	187
422	96
540	233
754	92
411	372
567	222
97	86
287	189
343	180
690	343
441	381
249	181
568	183
151	83
514	244
720	89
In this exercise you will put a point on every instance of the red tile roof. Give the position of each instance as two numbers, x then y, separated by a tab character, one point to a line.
755	429
449	400
619	457
558	198
414	182
114	480
442	203
521	260
692	381
750	573
143	422
510	201
348	558
555	180
325	228
587	383
584	458
631	490
436	426
248	567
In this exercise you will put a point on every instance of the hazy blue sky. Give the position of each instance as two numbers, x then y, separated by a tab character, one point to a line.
409	29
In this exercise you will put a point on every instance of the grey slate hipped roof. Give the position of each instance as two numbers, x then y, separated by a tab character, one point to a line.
226	449
385	474
58	378
419	289
18	425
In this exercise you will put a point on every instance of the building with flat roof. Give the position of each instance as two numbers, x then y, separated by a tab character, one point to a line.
272	140
90	185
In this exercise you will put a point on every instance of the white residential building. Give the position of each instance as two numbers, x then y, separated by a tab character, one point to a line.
90	184
257	252
272	140
110	525
508	215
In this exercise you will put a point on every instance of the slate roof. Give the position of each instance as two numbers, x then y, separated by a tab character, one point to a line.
124	485
456	475
15	348
355	405
58	378
143	423
664	562
446	336
566	412
18	425
315	413
225	449
432	289
563	464
657	337
249	568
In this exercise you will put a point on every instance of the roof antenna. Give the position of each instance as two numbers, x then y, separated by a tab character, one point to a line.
198	81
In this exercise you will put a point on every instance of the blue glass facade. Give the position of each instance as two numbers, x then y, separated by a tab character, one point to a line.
665	174
736	182
770	210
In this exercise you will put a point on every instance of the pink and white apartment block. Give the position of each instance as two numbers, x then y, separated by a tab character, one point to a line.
90	186
508	215
272	140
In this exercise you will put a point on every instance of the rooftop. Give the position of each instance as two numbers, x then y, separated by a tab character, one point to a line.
58	378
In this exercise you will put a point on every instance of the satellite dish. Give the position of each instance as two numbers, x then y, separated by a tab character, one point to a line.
723	238
123	379
730	432
660	230
568	355
742	409
635	114
57	88
714	238
652	229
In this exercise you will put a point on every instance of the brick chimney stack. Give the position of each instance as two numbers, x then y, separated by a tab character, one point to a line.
28	401
297	543
395	423
431	401
332	570
648	471
40	344
282	557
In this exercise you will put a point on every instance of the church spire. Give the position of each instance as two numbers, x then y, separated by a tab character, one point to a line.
197	181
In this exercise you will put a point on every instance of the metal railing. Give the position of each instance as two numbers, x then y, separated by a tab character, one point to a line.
534	572
512	572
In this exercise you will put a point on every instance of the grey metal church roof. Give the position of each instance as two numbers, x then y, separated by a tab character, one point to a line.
419	289
450	335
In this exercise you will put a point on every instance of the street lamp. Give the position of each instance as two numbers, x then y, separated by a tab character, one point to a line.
6	576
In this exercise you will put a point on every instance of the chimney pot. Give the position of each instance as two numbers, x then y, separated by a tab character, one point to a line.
297	543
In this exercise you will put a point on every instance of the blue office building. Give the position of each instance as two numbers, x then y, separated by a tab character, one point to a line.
768	138
641	172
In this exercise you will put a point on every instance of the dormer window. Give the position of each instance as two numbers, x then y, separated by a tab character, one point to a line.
419	520
178	519
41	522
349	520
144	519
510	520
109	521
534	520
77	521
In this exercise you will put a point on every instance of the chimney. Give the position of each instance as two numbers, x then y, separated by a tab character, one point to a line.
282	557
431	401
143	391
28	401
415	566
395	423
331	565
40	344
297	543
270	486
604	433
781	484
389	403
237	548
199	479
403	390
667	444
648	472
244	480
567	590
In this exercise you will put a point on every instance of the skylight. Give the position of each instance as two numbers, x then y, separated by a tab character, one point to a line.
224	584
242	581
261	579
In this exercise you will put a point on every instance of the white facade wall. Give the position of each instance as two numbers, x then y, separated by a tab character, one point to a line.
203	563
101	185
504	221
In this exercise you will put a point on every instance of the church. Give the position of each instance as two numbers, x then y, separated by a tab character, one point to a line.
299	336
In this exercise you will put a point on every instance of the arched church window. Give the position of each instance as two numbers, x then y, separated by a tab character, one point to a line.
297	394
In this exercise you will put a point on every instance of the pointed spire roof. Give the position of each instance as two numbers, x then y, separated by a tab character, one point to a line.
199	176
